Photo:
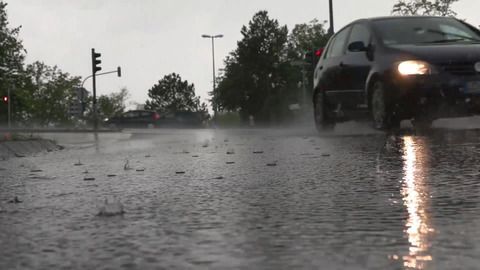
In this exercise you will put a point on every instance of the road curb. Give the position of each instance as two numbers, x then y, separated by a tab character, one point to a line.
24	148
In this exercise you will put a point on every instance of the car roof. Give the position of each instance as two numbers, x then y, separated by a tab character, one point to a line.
140	111
399	17
369	20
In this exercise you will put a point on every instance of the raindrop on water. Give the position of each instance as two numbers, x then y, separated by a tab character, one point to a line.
111	208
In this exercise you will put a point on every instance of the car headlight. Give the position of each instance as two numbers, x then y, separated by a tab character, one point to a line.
414	67
105	120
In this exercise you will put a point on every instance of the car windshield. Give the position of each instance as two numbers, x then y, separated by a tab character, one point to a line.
400	31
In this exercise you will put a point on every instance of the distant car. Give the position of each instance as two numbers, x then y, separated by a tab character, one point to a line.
135	119
182	119
396	68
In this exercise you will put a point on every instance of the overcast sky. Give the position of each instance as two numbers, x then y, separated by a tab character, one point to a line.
152	38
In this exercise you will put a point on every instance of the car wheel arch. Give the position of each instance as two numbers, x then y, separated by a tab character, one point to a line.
315	92
373	78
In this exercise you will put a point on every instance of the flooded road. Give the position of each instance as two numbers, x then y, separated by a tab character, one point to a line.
245	199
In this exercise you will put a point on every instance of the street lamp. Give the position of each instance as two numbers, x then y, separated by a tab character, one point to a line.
331	30
213	37
8	97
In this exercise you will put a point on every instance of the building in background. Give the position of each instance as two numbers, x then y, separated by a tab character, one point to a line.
78	104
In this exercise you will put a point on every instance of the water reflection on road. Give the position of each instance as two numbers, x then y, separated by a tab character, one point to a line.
246	199
416	199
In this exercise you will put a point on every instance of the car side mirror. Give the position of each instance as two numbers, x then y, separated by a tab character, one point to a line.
357	46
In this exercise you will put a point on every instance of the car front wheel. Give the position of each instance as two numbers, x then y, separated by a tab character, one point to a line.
322	119
381	109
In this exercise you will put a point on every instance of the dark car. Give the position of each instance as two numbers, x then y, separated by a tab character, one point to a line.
183	119
397	68
135	119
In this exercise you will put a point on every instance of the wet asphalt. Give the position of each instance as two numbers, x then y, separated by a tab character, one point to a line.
246	199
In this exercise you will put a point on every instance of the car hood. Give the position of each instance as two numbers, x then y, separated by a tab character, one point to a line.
441	53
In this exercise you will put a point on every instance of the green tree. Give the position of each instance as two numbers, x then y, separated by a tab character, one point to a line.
172	94
424	7
306	37
12	55
113	104
262	75
252	82
47	93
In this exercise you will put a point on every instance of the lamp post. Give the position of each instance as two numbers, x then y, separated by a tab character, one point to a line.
9	110
9	101
331	30
213	37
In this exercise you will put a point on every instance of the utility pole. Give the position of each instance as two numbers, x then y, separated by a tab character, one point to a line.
331	29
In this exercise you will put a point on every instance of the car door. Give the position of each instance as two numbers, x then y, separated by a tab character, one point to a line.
356	66
331	67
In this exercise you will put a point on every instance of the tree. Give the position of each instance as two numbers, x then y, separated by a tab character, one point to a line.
424	7
12	55
172	94
252	81
260	77
306	37
113	104
47	95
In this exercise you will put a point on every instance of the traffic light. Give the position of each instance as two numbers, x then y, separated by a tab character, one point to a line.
96	62
312	57
308	57
119	71
318	54
5	99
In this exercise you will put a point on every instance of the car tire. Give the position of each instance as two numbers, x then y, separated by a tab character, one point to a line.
322	120
381	109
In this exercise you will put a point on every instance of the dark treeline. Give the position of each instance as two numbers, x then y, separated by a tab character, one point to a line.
263	75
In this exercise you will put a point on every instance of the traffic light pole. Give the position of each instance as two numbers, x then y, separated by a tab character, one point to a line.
94	88
95	68
82	98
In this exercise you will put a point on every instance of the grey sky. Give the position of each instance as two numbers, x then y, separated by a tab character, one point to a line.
152	38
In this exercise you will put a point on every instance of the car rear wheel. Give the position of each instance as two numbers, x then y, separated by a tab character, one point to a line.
381	109
322	119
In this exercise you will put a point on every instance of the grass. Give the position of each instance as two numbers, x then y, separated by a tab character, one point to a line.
8	136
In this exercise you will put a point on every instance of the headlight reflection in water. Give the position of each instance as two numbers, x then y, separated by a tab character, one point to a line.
416	199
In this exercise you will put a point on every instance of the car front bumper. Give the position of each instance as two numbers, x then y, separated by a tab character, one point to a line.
436	96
